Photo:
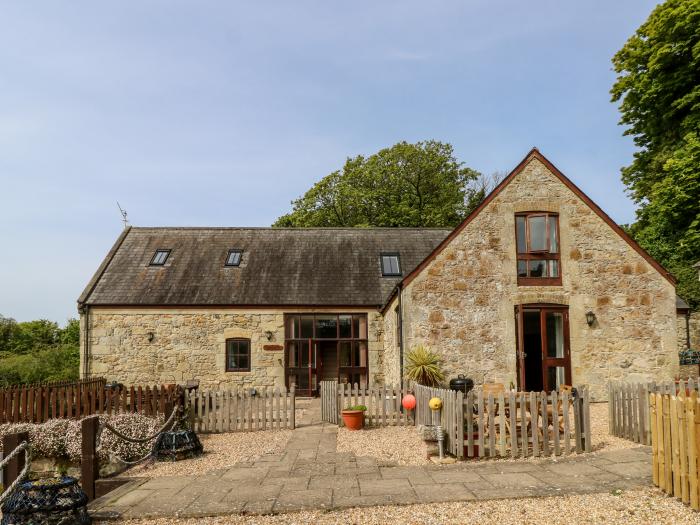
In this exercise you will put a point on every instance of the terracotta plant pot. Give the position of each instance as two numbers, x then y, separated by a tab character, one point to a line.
353	419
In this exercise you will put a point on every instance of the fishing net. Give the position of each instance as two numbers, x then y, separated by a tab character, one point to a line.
47	502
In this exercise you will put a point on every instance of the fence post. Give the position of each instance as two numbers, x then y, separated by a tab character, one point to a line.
293	408
168	408
89	465
14	467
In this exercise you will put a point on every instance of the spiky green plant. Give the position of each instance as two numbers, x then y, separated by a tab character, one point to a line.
423	367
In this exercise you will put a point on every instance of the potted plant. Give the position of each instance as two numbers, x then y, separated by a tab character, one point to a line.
354	417
423	367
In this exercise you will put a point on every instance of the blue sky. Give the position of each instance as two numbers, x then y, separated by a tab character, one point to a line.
220	113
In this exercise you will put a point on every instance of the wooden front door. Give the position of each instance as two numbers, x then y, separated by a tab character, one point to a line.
543	352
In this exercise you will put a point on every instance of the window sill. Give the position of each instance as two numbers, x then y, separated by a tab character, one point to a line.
539	281
239	370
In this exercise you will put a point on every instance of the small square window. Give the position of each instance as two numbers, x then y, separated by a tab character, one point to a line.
159	257
238	355
390	264
234	258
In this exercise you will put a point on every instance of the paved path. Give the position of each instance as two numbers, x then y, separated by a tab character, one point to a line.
312	474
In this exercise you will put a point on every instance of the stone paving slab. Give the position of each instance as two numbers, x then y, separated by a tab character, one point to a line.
310	474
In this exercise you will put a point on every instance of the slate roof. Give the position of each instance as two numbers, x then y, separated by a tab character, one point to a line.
681	304
279	266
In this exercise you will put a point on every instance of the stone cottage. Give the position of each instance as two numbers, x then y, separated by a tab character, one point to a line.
537	287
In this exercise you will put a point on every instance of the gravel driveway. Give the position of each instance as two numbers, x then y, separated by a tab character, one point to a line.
220	451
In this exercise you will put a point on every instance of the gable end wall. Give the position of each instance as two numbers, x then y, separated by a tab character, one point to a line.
462	303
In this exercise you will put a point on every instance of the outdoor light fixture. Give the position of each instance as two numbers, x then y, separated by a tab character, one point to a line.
151	336
590	318
268	334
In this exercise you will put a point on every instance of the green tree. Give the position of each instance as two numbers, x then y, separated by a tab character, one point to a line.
410	185
30	335
658	88
8	333
37	351
70	334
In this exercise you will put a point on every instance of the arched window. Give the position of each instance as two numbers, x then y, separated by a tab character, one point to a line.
238	355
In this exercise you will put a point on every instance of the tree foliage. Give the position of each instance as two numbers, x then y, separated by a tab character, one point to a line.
658	87
409	185
37	351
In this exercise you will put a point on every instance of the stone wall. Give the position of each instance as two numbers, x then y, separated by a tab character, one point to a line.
689	329
190	344
681	332
462	303
391	348
695	330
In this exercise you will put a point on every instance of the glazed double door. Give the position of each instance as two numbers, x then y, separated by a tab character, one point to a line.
543	352
309	361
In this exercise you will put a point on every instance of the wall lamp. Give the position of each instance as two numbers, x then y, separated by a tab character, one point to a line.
268	334
590	317
151	337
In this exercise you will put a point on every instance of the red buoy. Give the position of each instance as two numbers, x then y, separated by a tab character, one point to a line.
409	402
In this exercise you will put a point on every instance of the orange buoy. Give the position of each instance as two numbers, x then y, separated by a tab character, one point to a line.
409	402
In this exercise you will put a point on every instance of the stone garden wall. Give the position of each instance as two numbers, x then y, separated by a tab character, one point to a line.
190	344
462	304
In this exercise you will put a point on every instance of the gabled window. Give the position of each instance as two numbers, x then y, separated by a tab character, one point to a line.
391	266
159	258
537	245
234	258
238	355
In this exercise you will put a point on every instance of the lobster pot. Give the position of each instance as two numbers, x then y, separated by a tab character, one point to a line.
177	445
47	502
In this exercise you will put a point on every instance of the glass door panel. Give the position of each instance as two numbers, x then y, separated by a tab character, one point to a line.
556	360
301	366
556	376
554	323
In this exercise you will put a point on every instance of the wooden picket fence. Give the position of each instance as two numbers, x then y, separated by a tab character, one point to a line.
80	399
675	441
510	424
240	409
628	406
85	382
450	417
383	403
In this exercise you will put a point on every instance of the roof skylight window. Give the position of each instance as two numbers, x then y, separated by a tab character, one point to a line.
159	257
234	258
390	265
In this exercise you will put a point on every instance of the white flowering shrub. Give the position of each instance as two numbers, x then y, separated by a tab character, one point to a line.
62	438
47	439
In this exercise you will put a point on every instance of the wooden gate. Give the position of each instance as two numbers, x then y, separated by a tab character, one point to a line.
675	442
329	401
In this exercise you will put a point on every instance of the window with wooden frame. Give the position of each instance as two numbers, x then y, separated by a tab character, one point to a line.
238	355
537	245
